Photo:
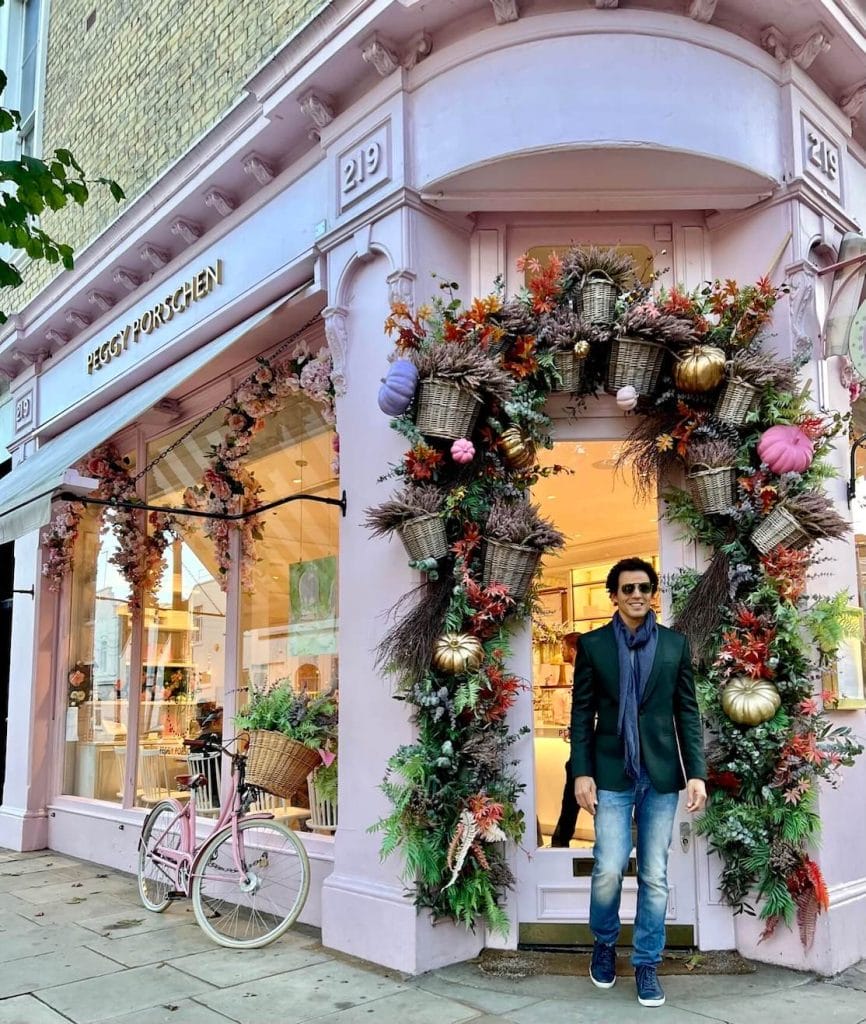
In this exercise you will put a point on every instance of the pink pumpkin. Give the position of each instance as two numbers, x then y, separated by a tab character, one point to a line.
786	449
462	451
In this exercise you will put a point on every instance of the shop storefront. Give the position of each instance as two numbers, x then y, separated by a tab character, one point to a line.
395	188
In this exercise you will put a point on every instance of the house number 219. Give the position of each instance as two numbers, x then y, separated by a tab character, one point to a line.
823	156
359	166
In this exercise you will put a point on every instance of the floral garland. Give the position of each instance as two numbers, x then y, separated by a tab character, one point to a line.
450	787
139	552
228	488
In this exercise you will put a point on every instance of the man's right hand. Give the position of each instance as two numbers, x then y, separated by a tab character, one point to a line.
585	793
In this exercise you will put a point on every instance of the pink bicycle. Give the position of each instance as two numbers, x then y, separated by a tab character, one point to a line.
248	880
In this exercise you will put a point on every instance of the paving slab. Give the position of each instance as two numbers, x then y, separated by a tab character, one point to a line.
303	994
99	884
18	865
227	967
56	968
416	1006
74	909
33	941
184	1012
138	988
619	1008
28	1010
133	919
830	1004
151	947
483	999
854	977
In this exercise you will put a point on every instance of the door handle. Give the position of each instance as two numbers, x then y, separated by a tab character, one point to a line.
685	836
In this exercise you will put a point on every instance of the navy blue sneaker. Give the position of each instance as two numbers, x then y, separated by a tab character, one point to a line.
649	992
602	969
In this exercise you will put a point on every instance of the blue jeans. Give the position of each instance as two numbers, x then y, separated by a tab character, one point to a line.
654	813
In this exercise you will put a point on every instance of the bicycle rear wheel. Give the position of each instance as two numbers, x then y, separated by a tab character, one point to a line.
155	882
245	910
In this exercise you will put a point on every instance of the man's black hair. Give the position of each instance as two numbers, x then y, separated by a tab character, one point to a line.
630	565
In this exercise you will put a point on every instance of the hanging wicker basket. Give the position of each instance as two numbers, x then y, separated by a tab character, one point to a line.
425	538
713	490
323	813
596	300
636	362
570	370
446	410
278	764
736	401
780	527
512	565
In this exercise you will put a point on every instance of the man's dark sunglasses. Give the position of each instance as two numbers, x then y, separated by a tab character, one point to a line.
644	588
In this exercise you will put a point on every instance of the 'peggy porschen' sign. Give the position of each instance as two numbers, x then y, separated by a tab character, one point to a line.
197	287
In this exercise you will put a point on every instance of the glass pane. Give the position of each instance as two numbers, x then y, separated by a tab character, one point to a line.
97	668
574	600
29	57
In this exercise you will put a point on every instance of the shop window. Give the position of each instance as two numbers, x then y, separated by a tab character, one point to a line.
96	670
573	600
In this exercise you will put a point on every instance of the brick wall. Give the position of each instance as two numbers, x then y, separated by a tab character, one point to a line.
129	95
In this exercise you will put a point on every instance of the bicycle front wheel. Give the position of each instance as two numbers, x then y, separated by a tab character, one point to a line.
249	908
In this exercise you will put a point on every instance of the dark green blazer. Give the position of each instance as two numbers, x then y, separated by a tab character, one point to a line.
668	719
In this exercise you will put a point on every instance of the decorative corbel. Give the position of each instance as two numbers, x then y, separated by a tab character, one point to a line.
127	279
776	42
36	358
222	202
153	255
418	47
102	301
606	4
317	107
702	10
380	54
7	375
505	11
186	230
401	287
363	239
54	337
337	337
810	47
258	168
802	276
79	320
852	101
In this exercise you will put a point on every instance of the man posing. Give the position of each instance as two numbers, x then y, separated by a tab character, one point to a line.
634	714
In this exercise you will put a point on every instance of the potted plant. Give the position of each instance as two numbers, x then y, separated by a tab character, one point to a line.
712	475
645	334
287	730
749	373
598	276
322	791
516	536
798	520
415	513
562	333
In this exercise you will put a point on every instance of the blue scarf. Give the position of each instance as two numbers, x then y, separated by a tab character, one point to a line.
633	674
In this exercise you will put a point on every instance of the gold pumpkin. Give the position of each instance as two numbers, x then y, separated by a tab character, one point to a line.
517	449
701	368
748	701
581	348
454	653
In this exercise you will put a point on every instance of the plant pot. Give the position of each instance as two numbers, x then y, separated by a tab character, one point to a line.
736	401
512	565
424	538
570	370
636	362
713	490
323	813
278	764
596	299
446	410
780	527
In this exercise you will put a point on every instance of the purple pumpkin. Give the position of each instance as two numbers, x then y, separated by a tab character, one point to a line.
786	449
398	387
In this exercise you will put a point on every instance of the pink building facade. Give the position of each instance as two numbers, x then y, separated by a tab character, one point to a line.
386	143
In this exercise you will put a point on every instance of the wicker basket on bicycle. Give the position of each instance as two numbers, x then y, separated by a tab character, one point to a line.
277	764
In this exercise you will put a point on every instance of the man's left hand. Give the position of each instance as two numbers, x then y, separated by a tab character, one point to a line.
696	795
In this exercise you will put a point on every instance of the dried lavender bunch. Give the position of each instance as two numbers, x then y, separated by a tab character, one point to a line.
763	370
408	503
817	515
645	320
715	454
518	522
578	262
463	363
517	317
560	328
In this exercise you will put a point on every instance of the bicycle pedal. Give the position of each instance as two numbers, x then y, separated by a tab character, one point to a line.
175	895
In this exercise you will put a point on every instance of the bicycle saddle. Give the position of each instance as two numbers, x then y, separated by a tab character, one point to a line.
190	781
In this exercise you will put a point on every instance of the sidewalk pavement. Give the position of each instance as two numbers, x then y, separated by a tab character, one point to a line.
76	945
